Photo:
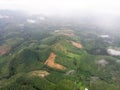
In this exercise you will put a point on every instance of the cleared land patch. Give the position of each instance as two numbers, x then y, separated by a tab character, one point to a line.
102	62
4	49
40	73
65	32
51	62
77	45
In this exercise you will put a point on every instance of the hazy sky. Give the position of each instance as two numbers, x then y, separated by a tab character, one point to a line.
63	6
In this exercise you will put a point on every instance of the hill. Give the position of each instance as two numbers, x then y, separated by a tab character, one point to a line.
52	55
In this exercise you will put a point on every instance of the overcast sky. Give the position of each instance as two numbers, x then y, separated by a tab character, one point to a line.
63	6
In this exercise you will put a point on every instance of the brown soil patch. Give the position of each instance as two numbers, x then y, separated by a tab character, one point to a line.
78	45
4	50
66	32
40	73
51	62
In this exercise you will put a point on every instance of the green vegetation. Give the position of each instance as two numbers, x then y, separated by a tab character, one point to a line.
30	46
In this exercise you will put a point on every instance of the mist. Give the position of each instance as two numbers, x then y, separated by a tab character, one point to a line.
64	7
104	13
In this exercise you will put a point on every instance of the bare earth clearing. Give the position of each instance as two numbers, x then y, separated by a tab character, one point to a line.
78	45
102	62
68	34
40	73
4	50
51	62
65	32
